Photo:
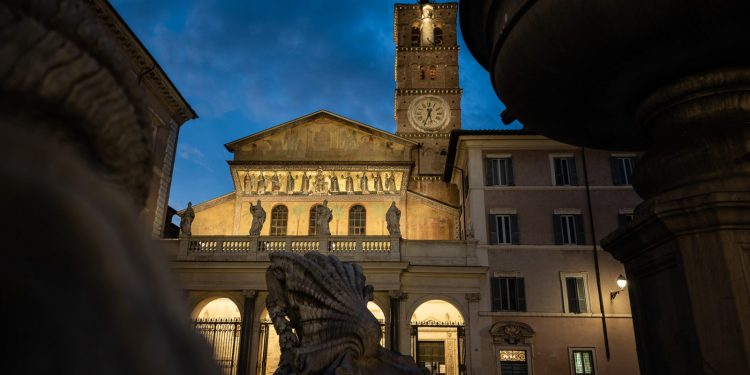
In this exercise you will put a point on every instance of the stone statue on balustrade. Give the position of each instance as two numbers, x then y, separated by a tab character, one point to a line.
378	182
259	217
323	323
186	220
349	184
261	183
393	220
323	218
289	183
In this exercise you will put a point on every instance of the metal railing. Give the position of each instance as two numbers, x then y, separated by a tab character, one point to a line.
223	337
258	248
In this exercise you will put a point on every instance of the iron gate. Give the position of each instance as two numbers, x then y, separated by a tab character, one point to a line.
223	336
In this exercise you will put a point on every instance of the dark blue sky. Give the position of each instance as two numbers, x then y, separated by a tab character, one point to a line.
245	66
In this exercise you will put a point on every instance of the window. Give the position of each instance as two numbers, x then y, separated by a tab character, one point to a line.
422	73
357	220
565	171
499	172
508	294
438	32
433	73
622	170
279	218
313	228
624	219
415	36
575	293
504	229
568	229
513	362
582	361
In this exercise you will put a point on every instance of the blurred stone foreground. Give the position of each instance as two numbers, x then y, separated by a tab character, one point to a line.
84	291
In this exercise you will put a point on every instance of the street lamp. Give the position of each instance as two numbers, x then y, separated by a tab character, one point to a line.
622	282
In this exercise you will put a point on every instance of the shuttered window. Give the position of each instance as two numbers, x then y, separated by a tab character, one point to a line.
622	170
565	171
583	362
568	229
499	172
504	229
575	288
508	294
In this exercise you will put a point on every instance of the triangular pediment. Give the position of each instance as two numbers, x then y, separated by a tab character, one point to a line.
322	136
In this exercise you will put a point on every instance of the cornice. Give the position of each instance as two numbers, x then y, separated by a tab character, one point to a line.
425	135
457	91
313	165
427	49
143	64
434	6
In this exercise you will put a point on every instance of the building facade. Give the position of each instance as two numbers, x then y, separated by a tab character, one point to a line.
495	269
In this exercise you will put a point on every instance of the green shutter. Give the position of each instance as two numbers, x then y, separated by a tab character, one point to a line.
616	180
557	229
571	286
572	169
492	221
495	291
580	234
581	294
521	294
514	230
556	165
489	172
511	179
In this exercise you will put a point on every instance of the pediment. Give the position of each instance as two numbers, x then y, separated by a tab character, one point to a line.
322	136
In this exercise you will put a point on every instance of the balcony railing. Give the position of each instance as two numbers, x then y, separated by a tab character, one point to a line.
247	248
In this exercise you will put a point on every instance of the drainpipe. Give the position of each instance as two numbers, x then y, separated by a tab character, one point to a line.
462	214
596	252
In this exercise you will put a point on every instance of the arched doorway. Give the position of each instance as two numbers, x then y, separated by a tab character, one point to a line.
269	351
220	323
438	338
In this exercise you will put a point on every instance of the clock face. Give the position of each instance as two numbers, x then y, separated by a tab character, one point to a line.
429	113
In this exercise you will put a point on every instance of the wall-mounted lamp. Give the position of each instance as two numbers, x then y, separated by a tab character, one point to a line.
622	282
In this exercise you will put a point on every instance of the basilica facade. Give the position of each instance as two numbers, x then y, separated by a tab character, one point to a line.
481	245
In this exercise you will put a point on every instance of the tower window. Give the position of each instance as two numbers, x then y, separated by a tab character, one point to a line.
279	219
433	73
422	73
357	220
438	36
415	36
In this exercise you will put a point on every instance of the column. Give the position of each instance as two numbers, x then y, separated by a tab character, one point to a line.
246	334
687	253
473	341
394	321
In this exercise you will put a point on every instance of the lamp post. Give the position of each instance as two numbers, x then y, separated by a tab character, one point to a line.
622	282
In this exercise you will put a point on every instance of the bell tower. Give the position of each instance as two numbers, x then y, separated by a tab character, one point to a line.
428	96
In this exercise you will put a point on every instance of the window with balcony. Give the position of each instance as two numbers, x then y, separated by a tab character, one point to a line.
357	220
499	171
279	219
